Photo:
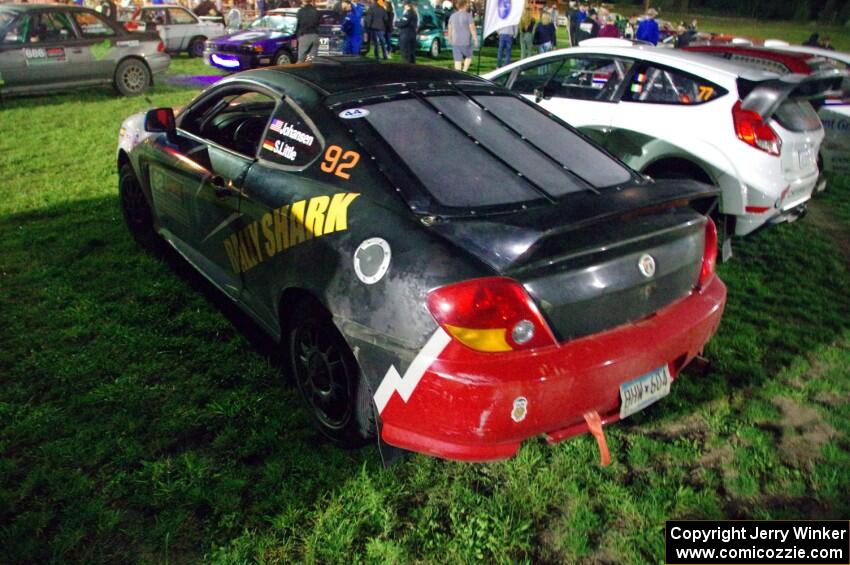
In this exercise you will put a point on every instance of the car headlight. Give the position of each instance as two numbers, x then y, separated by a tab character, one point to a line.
423	37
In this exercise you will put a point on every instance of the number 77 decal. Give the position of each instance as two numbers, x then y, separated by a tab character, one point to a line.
338	162
705	93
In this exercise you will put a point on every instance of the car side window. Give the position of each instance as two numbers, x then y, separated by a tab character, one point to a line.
93	25
534	77
235	120
16	33
659	85
49	27
589	78
328	19
153	16
178	16
291	140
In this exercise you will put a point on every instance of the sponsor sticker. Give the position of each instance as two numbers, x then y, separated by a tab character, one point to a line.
520	409
44	55
99	50
354	113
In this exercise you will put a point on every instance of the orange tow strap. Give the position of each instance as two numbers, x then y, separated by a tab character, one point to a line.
594	422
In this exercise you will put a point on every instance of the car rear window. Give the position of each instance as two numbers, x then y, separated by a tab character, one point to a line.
559	142
489	150
797	115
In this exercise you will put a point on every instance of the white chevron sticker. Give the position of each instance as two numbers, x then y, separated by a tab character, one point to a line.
393	382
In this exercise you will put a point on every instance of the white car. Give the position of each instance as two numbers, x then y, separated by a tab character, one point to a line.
671	114
180	29
835	114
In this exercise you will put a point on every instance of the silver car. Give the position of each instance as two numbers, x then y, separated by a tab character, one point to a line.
46	47
179	28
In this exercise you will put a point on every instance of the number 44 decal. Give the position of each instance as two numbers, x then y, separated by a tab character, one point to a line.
337	161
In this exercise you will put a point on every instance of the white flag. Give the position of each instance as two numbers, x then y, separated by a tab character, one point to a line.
502	13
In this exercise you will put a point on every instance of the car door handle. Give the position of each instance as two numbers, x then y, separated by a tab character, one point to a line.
220	187
76	50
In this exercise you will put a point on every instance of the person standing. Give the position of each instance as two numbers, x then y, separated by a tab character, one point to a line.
351	28
463	36
506	42
376	22
606	26
357	21
307	31
572	22
234	19
588	28
389	25
544	34
648	28
526	33
407	25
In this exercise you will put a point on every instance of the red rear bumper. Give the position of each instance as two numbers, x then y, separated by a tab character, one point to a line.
461	408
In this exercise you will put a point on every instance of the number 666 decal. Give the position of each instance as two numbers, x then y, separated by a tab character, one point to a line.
337	161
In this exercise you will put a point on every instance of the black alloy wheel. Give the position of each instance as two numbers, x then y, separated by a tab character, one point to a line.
328	378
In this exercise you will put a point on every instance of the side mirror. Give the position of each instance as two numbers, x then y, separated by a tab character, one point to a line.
539	95
160	120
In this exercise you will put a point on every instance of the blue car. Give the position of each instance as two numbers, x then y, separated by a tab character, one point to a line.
270	40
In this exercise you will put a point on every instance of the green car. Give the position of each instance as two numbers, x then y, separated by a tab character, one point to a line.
432	38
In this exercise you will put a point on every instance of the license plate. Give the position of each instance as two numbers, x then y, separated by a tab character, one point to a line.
647	389
805	158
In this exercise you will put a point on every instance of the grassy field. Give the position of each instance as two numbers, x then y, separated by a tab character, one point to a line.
142	420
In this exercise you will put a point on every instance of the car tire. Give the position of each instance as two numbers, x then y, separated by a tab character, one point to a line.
328	378
434	50
283	58
196	47
136	210
132	77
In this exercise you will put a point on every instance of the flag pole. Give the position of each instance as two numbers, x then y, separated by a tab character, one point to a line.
481	43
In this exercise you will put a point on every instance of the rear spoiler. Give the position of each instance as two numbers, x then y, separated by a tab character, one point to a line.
766	96
506	241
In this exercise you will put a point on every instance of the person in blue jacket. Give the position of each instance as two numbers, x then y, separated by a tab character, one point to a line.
648	28
352	26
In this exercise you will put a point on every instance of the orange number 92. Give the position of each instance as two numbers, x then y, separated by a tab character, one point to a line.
338	162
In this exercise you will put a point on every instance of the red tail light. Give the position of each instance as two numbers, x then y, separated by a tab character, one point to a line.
709	256
490	314
752	130
131	26
161	47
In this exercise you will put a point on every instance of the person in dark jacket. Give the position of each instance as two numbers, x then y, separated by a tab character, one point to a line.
389	25
588	28
376	26
572	22
544	34
407	25
307	31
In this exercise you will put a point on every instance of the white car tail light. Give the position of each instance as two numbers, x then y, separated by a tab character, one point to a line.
752	130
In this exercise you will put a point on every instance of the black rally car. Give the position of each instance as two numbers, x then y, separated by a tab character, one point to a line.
444	263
